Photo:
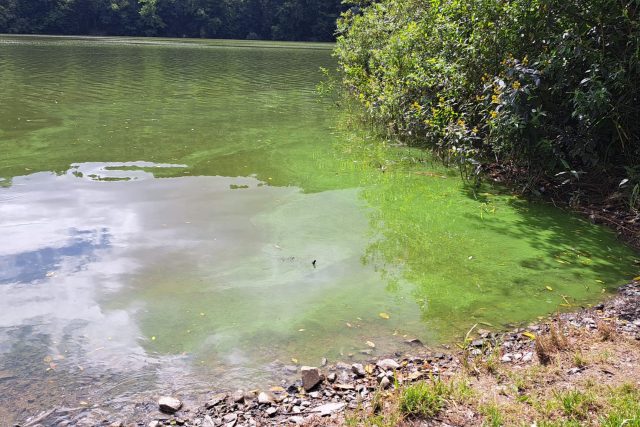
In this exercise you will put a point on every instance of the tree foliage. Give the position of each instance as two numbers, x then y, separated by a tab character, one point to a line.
551	86
254	19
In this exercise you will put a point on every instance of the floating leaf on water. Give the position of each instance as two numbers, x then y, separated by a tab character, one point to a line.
48	359
384	315
294	360
529	335
349	325
371	344
83	403
201	314
153	338
549	288
599	281
301	330
50	274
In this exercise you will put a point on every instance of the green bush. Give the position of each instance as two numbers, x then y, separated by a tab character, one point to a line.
550	87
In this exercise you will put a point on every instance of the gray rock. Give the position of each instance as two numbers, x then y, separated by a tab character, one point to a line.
265	398
215	400
528	357
310	377
387	364
229	418
358	369
385	383
169	405
477	343
208	422
331	377
271	411
324	362
506	358
154	424
297	420
238	396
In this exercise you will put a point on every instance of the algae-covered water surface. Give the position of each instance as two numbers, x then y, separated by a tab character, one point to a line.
162	204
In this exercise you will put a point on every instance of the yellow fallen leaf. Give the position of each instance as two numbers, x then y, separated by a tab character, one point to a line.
153	338
83	403
48	359
529	335
636	279
301	330
549	288
201	314
349	325
599	281
277	389
369	369
294	360
384	315
371	344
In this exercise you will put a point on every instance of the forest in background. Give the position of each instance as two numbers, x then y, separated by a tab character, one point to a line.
304	20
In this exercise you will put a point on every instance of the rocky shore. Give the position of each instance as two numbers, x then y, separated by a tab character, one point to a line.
324	395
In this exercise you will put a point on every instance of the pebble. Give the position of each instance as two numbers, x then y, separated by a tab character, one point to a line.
265	398
358	369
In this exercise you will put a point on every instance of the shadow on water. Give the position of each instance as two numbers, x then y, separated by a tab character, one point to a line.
559	237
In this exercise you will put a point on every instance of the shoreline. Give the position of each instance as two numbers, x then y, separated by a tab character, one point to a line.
349	393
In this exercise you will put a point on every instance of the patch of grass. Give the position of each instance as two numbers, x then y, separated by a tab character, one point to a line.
575	404
493	415
424	398
625	407
579	360
606	330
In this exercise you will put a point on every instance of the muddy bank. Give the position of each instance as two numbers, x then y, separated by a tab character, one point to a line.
326	394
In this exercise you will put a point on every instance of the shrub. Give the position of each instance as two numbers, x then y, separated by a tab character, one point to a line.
549	86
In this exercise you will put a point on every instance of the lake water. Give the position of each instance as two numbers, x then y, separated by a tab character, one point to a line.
162	203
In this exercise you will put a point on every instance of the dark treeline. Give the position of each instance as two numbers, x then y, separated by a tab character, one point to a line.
309	20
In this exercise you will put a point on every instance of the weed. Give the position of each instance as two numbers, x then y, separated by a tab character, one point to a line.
425	398
493	415
575	404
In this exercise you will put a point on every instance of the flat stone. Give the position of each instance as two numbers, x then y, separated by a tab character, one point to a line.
229	418
387	364
331	377
154	423
528	357
169	405
506	358
414	341
329	408
344	386
215	400
271	411
310	377
208	422
297	420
